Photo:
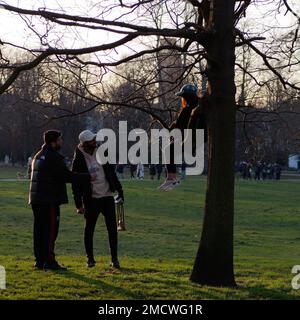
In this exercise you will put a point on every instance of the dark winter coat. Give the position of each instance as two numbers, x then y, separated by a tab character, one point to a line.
49	177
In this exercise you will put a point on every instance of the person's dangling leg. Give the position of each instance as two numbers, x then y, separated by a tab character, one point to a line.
171	166
181	123
171	178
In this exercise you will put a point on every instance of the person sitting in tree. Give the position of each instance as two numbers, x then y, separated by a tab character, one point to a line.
191	116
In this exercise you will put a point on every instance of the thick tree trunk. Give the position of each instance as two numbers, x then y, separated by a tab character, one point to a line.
214	261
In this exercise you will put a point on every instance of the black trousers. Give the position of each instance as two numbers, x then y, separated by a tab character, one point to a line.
45	231
106	206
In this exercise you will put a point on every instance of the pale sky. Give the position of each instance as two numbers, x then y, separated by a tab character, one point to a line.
14	29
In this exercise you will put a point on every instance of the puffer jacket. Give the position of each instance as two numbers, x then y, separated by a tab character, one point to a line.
49	176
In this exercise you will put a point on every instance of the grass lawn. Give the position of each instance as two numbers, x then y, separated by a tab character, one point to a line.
158	250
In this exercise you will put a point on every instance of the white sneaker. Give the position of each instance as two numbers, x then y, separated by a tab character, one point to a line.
165	184
175	184
169	185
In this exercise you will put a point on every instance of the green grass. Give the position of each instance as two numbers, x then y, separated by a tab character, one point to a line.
158	250
11	172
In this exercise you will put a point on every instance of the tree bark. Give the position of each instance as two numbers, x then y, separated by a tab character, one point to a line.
214	261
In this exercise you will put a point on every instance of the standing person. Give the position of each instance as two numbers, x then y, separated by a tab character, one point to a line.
277	171
192	116
140	171
6	159
96	196
47	192
152	171
258	169
158	170
270	171
264	171
132	171
120	171
241	169
244	170
249	170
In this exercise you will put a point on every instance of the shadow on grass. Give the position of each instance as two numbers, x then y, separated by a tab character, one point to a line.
96	282
261	292
134	282
164	284
200	292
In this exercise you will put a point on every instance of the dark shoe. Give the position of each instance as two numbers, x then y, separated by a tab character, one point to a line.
91	263
38	265
115	264
54	266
